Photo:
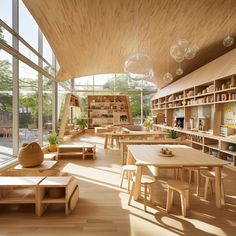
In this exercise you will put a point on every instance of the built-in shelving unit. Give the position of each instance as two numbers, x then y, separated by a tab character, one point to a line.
202	109
108	110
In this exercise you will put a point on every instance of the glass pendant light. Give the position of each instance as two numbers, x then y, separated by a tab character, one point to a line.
168	77
138	66
178	49
228	41
179	71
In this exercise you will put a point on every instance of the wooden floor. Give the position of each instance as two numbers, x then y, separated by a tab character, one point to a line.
103	210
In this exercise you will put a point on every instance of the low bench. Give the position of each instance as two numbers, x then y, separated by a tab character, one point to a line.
38	190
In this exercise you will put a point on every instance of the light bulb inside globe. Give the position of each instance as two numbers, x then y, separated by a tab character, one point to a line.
168	77
179	71
228	41
138	66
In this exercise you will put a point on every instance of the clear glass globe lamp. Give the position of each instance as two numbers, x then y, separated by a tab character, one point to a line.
138	66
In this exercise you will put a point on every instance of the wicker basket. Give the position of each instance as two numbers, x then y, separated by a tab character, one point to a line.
30	155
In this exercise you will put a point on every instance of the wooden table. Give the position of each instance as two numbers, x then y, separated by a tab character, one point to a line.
125	142
131	134
184	156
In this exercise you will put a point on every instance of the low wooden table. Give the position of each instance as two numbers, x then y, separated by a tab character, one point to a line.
66	184
131	134
82	150
20	190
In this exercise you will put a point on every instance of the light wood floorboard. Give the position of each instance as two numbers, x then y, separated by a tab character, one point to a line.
103	210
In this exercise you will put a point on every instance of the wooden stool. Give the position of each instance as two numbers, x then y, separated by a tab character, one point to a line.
209	178
194	170
146	181
127	171
183	189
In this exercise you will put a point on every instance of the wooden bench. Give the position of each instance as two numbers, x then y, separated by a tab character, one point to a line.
84	150
35	190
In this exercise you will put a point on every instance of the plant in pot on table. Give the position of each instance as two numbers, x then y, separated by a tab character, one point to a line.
82	123
53	140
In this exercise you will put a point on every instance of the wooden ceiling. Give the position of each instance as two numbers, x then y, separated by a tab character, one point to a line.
96	36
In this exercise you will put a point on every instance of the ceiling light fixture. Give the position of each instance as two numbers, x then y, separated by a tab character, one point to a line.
228	40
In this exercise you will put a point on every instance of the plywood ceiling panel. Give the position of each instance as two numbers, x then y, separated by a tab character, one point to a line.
96	36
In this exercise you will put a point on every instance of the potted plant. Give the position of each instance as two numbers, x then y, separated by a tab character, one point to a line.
172	134
52	139
148	123
82	123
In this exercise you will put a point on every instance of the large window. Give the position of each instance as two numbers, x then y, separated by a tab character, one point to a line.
6	84
28	103
47	108
28	108
28	28
115	84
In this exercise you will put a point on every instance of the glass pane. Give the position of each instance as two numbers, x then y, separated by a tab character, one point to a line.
47	108
28	28
47	51
5	36
6	11
6	84
28	103
28	53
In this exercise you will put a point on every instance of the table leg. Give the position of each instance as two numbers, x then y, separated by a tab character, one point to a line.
130	159
137	186
122	153
218	185
106	139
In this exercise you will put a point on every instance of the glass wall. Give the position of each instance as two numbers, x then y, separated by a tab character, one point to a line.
114	84
26	74
6	85
47	108
28	104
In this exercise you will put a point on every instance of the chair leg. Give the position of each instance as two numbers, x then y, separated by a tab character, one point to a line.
131	193
206	187
145	197
169	200
189	176
129	178
183	201
222	193
150	192
187	198
198	181
122	178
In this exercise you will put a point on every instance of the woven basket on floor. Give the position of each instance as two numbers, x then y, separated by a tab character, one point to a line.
30	155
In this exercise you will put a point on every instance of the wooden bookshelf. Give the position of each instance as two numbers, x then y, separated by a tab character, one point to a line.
206	101
108	110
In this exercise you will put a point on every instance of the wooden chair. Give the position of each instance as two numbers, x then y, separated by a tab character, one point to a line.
128	171
147	182
209	177
183	189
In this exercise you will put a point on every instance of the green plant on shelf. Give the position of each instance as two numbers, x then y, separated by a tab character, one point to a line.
172	134
81	122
